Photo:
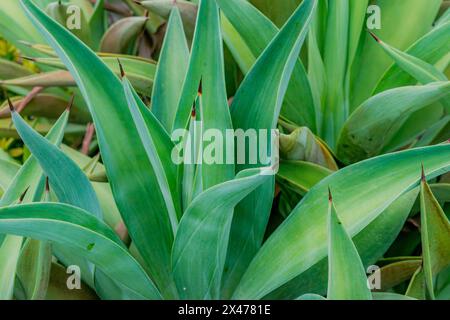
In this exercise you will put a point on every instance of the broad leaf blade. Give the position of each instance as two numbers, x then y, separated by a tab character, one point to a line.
346	278
436	39
205	78
416	16
66	178
258	32
130	173
303	235
198	268
171	71
76	229
379	118
435	232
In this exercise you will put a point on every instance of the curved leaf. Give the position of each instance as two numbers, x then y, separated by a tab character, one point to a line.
259	32
129	171
435	232
67	180
257	105
171	71
436	39
198	268
119	37
76	229
302	236
302	175
206	70
416	16
378	119
347	278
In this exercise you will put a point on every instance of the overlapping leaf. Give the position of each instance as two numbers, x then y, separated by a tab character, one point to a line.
129	171
303	235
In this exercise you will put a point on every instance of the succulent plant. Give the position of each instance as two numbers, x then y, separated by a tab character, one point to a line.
357	208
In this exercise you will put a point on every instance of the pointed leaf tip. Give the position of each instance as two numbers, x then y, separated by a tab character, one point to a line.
29	58
374	36
122	72
330	196
25	43
11	106
23	195
423	177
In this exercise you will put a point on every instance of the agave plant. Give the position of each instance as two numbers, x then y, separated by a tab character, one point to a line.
363	122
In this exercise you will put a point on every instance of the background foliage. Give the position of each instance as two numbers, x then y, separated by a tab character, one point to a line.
87	180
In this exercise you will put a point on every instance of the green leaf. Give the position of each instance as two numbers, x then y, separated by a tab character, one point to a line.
419	69
27	176
390	296
396	273
357	19
441	192
8	169
198	268
310	296
417	287
302	236
302	145
335	62
379	118
435	231
258	32
60	12
277	11
316	74
97	23
47	105
416	126
163	8
88	236
171	71
258	101
9	256
111	215
129	171
347	278
30	172
158	147
69	183
45	79
9	69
